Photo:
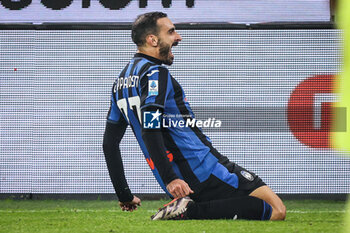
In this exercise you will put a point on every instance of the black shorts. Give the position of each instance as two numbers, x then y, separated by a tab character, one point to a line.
214	188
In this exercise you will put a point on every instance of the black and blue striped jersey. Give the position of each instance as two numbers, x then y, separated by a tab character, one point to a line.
147	97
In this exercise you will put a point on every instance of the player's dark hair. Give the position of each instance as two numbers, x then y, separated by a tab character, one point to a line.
144	25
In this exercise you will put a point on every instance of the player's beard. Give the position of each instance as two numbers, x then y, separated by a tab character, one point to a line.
165	53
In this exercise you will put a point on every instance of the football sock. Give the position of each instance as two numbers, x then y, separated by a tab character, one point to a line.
234	208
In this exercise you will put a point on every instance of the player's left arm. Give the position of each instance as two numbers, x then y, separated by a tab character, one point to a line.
114	132
131	205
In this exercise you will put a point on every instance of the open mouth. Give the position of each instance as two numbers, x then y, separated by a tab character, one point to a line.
170	51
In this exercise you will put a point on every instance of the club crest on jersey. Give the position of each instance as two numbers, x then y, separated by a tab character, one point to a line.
152	87
151	119
247	175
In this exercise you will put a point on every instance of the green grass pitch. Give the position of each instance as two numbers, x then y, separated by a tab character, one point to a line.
105	216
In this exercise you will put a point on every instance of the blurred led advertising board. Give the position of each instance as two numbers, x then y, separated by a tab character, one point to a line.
55	89
180	11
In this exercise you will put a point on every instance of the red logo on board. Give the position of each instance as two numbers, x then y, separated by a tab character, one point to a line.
302	107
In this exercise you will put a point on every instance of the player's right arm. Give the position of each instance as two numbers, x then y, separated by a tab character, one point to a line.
153	139
153	100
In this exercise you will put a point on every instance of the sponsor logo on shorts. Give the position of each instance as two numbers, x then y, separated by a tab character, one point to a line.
247	175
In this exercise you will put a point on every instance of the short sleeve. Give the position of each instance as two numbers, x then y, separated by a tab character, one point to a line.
155	87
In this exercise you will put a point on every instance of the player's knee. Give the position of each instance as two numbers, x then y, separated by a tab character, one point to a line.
283	212
279	213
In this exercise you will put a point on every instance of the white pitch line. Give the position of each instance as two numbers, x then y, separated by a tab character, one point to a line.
150	211
315	211
53	211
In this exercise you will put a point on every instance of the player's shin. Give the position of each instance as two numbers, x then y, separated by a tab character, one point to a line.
248	207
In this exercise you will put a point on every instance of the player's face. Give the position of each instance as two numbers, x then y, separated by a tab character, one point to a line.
168	38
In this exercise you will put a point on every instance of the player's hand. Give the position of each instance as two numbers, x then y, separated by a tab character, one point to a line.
130	206
179	188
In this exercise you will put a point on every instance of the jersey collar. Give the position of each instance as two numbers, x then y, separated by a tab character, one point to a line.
152	59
